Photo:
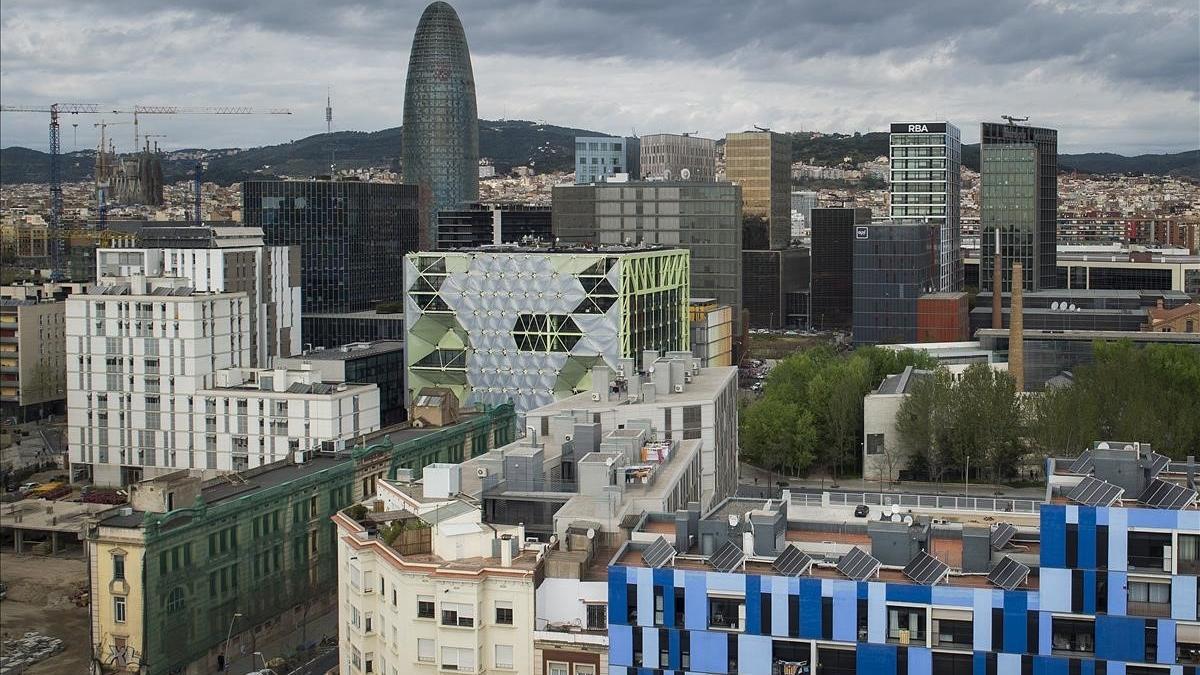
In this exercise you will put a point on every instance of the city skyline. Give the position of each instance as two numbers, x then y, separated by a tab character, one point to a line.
793	66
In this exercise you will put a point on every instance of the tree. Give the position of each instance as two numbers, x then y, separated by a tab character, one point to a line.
776	435
923	422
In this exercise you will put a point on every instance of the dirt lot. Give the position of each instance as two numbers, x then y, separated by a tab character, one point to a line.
39	590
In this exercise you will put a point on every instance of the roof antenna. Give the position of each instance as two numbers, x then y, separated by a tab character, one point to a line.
328	111
1013	120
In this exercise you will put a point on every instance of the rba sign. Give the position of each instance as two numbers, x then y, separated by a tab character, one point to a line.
919	128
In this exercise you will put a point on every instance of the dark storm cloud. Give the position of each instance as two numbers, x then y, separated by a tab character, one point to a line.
799	62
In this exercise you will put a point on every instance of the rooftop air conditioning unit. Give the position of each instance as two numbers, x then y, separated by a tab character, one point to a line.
481	471
595	396
679	389
568	437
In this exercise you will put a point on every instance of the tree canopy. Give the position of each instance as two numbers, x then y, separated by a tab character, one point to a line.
812	407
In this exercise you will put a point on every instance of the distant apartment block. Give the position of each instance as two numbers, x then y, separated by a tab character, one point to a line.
475	225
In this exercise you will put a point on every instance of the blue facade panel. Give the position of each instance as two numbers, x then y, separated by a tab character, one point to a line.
821	608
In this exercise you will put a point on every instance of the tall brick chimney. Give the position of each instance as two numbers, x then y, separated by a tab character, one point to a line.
997	284
1016	328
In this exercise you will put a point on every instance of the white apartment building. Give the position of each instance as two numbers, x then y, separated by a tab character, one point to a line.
447	594
680	399
226	259
137	349
252	417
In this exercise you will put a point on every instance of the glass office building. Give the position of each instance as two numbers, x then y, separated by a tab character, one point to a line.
700	216
760	162
893	265
925	159
352	236
668	156
484	224
832	286
441	124
1019	198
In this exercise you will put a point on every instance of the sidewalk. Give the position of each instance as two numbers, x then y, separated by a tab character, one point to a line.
283	645
752	475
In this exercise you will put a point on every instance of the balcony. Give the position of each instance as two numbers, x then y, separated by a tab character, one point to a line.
1162	609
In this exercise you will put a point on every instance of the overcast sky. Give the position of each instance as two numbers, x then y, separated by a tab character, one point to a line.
1110	75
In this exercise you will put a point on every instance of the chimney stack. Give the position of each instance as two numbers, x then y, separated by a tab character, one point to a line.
1016	328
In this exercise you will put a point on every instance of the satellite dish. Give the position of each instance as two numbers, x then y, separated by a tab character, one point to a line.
733	520
1054	305
1103	445
1072	307
908	520
685	174
895	509
591	533
666	174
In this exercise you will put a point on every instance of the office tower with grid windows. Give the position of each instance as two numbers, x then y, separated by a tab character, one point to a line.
760	162
351	234
925	160
1019	199
598	158
668	156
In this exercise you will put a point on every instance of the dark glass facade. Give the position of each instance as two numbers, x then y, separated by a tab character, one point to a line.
334	330
893	267
1019	197
352	237
774	283
833	266
482	225
441	124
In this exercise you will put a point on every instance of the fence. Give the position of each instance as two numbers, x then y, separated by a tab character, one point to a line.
946	502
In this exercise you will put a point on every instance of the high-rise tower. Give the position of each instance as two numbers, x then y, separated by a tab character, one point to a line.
441	124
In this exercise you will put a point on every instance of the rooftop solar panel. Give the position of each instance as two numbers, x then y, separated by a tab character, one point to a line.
726	558
926	569
1156	463
858	564
1095	492
1008	574
659	553
1163	495
792	562
1083	464
1002	535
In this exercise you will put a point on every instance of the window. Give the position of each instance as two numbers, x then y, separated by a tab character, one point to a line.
458	614
504	656
726	613
1187	643
1072	636
597	617
425	650
952	664
458	658
119	609
424	607
504	612
581	669
1189	554
370	661
553	668
906	625
874	444
953	627
355	657
118	567
175	601
1149	598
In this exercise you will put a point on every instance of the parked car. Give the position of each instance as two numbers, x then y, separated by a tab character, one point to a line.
27	487
862	511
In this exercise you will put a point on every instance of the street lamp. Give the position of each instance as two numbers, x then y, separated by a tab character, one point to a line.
228	635
264	659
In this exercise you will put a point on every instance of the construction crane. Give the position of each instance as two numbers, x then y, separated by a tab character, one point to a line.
1014	120
147	137
761	128
56	109
689	133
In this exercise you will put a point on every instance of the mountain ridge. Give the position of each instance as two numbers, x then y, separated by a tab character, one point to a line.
510	143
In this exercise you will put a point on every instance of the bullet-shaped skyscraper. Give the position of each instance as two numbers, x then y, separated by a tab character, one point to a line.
441	124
